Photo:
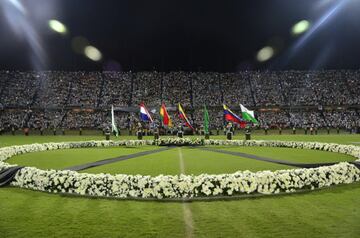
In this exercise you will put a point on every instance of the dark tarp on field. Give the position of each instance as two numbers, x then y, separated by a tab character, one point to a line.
7	175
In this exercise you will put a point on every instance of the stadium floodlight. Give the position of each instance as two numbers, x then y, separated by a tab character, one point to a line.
265	54
15	14
300	27
57	26
92	53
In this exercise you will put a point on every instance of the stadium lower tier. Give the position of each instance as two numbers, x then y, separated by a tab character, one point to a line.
126	133
75	119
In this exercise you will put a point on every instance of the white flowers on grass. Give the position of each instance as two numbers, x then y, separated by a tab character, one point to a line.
185	186
182	186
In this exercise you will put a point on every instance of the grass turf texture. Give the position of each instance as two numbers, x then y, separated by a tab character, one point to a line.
194	161
332	212
60	159
290	154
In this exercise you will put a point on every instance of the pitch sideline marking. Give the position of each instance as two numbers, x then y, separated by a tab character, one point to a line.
189	224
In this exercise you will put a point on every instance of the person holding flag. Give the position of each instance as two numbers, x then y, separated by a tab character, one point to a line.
232	117
248	115
114	128
183	116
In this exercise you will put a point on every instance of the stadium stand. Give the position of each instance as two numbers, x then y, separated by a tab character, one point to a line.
56	99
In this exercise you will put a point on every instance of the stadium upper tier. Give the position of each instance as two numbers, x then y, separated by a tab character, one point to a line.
251	88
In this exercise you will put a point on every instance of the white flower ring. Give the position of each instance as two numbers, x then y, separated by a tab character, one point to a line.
180	187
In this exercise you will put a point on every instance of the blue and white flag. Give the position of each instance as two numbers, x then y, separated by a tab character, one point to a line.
144	113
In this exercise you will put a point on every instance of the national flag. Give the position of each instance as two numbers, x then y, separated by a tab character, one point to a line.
144	113
113	124
182	115
206	120
248	115
230	116
165	118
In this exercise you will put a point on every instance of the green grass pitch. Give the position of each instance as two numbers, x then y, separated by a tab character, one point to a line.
332	212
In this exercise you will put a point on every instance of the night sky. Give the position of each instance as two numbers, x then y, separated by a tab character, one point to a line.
196	35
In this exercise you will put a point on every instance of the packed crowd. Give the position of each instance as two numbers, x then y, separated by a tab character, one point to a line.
99	119
82	99
251	88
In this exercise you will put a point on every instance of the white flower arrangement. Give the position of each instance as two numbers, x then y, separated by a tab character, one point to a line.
179	142
182	186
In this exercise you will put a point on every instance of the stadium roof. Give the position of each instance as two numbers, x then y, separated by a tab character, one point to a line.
174	35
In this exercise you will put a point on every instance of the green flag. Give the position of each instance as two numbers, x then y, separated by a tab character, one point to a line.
206	120
113	124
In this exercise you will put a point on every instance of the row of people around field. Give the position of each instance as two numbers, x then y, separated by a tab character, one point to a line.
73	119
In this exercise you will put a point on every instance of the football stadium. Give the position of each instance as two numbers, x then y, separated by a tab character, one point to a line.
179	118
